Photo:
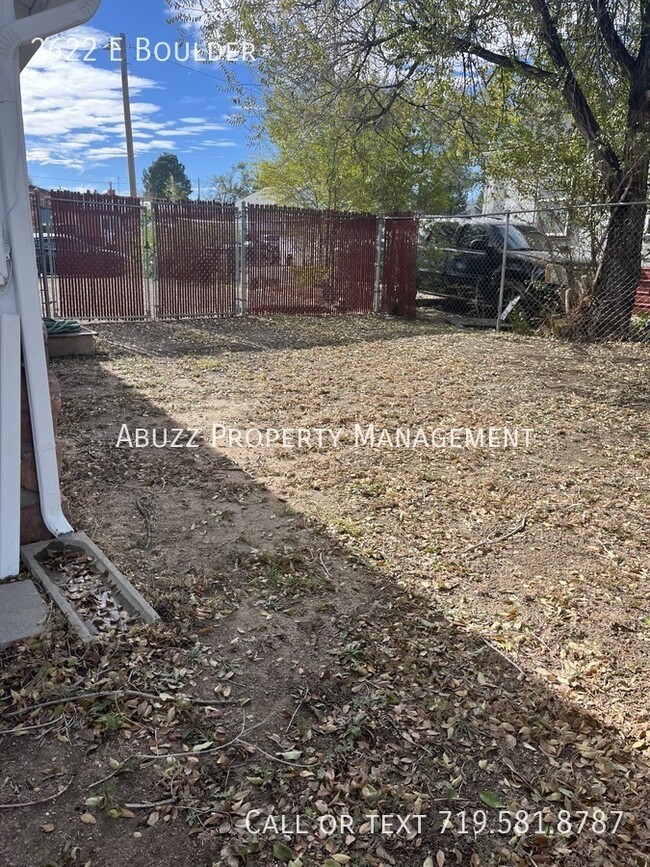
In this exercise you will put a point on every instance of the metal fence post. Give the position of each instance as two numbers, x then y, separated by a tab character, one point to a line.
242	263
155	289
45	265
379	264
147	262
502	285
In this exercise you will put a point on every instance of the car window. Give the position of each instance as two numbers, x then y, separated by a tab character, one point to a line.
536	240
439	233
473	232
516	240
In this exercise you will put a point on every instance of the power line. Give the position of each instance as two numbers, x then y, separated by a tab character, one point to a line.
209	75
72	180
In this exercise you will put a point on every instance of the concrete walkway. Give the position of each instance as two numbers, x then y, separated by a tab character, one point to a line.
23	613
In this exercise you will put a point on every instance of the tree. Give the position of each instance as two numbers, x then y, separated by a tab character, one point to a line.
593	56
157	183
173	191
321	160
237	182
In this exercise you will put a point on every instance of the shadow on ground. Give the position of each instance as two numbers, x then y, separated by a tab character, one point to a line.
259	334
335	692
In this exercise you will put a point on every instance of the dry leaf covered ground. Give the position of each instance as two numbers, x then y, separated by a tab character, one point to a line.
347	633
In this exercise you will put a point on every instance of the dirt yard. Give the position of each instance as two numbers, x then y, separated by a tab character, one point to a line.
454	637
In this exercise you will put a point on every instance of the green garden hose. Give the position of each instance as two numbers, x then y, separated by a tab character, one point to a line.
61	326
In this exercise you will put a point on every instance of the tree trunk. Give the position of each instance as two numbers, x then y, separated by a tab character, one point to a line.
618	275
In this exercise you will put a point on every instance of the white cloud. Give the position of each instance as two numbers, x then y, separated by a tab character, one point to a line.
192	100
73	108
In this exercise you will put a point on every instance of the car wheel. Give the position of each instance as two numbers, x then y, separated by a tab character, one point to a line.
513	312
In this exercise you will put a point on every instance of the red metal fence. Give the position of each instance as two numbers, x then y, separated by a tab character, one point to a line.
109	257
400	265
195	255
642	300
95	248
301	261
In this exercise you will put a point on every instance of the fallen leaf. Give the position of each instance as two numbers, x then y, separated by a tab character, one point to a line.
282	852
490	799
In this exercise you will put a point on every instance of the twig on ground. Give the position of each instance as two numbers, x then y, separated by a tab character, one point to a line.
521	526
272	757
144	507
543	643
113	693
295	713
138	350
35	803
504	655
151	804
22	729
184	755
110	776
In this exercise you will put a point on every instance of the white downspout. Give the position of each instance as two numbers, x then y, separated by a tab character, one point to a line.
9	444
19	294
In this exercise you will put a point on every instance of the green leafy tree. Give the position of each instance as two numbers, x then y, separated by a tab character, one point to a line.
234	184
166	178
324	160
590	56
173	191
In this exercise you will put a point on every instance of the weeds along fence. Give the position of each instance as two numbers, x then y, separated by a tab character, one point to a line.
581	272
105	257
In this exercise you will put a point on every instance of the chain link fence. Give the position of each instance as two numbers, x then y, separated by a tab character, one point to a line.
106	257
580	272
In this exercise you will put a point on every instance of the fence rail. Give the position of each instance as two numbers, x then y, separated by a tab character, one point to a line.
108	257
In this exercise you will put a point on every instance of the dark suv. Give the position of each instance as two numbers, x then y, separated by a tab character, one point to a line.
461	258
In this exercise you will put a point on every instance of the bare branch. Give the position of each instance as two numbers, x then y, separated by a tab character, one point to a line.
617	47
575	98
502	60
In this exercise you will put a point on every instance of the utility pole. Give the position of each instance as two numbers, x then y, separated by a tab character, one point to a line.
128	126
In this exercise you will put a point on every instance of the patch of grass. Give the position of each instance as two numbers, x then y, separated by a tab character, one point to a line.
288	574
348	526
204	363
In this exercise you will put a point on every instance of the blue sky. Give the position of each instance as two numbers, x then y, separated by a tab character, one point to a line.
72	104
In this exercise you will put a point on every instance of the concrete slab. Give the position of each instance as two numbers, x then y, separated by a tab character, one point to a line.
23	613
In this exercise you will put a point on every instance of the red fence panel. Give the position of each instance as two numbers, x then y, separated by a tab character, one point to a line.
97	256
94	265
400	265
195	245
642	300
301	261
